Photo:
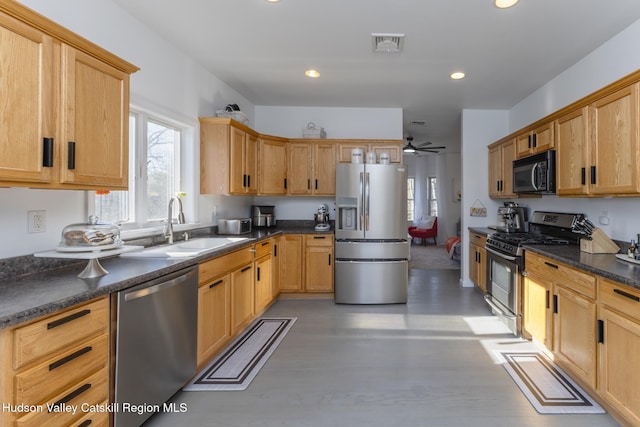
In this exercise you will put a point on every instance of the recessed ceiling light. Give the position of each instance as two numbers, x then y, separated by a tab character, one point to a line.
272	1
457	75
312	73
503	4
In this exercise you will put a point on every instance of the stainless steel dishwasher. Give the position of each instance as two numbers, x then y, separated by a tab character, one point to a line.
155	344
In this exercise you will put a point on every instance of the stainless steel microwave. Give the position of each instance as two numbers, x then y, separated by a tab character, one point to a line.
535	174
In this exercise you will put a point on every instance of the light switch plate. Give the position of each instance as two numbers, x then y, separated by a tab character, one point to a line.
37	221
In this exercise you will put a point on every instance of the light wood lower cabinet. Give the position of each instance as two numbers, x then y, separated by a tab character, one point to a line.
291	250
263	276
63	357
478	260
318	261
214	316
619	348
538	319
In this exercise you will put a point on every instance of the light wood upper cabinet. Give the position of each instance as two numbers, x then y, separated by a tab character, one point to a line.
311	168
272	165
228	157
572	153
535	141
25	111
393	147
65	109
615	147
94	122
501	157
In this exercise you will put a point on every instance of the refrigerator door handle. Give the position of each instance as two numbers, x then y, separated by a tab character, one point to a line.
366	195
361	200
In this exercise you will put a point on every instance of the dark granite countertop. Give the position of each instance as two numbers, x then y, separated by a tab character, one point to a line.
27	297
482	230
605	265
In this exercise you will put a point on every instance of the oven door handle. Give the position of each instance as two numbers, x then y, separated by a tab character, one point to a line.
493	305
501	255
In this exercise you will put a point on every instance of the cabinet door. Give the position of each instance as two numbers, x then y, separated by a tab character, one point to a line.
324	165
299	169
291	262
508	156
251	163
574	333
495	171
619	355
26	105
318	260
614	143
537	309
214	328
95	122
572	153
473	263
237	175
395	151
242	297
344	150
263	283
523	144
272	167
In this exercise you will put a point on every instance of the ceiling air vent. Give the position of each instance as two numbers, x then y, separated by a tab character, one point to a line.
417	123
387	43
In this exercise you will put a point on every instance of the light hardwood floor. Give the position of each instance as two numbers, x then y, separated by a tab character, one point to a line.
427	363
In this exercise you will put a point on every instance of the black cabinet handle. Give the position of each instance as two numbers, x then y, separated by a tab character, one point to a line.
528	141
245	269
69	358
535	140
72	395
600	331
316	184
583	176
329	259
555	304
244	180
593	174
285	183
626	295
47	152
308	184
214	284
248	180
258	274
497	185
71	155
275	250
265	243
86	423
551	265
67	319
546	302
319	237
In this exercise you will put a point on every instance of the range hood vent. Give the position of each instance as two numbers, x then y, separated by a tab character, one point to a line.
387	43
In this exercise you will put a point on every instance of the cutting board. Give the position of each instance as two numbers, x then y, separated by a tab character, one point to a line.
625	257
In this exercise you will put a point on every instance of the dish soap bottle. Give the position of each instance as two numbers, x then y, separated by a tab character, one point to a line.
631	251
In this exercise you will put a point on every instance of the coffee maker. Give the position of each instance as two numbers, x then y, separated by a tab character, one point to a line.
512	218
322	218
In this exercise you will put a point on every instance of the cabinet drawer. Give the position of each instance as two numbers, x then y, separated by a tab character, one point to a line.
70	367
319	240
224	264
621	298
60	331
263	248
94	418
91	391
558	272
477	239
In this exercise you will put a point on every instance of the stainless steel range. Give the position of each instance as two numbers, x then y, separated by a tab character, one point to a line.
505	260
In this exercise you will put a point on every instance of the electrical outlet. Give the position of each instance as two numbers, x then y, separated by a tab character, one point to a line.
37	221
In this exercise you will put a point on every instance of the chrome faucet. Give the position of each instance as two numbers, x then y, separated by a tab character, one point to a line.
168	229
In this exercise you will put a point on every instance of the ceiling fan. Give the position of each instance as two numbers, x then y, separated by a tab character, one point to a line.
410	148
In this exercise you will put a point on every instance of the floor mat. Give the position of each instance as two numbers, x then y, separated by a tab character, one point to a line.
240	362
546	386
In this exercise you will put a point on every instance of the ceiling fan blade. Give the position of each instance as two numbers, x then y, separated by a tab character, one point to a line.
430	148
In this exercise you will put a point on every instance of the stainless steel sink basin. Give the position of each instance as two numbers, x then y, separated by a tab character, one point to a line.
185	249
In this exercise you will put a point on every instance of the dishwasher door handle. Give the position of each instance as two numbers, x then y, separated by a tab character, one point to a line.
154	289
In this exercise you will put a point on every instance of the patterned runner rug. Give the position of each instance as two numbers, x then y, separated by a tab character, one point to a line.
240	362
546	386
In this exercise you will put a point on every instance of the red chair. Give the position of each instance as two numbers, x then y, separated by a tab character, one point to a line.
425	233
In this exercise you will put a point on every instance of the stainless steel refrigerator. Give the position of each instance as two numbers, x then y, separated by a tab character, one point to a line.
371	248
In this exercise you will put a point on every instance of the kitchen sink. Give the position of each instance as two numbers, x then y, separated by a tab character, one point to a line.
185	249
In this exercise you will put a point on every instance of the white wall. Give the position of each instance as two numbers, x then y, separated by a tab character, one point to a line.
366	123
187	91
